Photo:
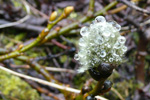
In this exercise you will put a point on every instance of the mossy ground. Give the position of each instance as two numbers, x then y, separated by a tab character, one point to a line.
13	87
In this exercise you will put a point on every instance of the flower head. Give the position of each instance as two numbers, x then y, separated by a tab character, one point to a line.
101	42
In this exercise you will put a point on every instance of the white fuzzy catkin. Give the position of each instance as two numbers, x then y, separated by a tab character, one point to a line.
101	42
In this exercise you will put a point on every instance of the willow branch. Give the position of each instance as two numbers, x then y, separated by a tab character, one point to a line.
40	38
75	25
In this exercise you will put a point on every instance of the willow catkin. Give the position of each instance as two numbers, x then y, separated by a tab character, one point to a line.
101	42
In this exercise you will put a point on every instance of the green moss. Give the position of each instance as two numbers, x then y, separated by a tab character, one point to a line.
80	79
63	58
20	36
14	87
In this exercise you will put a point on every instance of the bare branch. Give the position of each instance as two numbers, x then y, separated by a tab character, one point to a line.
41	81
15	23
59	70
117	93
130	4
21	20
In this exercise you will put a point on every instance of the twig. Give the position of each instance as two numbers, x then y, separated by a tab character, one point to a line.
13	40
51	56
125	32
41	81
20	66
103	11
25	26
15	23
130	4
59	70
34	65
26	6
100	98
145	23
19	21
37	67
54	41
132	21
7	96
118	9
3	51
42	90
118	94
91	5
47	68
91	8
34	10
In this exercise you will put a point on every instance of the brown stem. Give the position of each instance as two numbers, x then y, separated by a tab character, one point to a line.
140	59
